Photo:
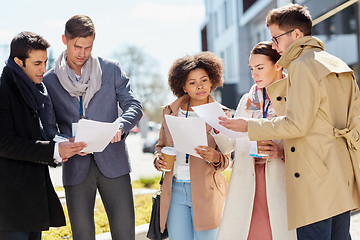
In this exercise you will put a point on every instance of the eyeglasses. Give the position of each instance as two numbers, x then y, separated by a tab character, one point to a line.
275	39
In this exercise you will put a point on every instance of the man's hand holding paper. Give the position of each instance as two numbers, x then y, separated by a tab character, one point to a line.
117	137
97	135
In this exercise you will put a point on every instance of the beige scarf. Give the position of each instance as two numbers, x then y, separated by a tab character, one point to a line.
89	82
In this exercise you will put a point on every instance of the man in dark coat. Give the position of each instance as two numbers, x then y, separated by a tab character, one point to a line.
28	202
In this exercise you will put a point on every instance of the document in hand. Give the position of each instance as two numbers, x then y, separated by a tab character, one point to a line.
211	113
187	133
97	135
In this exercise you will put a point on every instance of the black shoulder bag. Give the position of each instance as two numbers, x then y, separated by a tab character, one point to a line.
154	232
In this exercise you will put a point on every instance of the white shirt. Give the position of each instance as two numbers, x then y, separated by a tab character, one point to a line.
180	162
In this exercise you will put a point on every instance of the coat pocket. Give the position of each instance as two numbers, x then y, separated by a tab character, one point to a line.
312	160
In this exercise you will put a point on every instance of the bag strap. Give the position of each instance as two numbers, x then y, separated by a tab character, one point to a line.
161	182
162	179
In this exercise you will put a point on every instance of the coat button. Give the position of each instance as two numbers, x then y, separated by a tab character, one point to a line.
302	46
220	184
297	175
285	99
278	98
337	75
293	149
211	188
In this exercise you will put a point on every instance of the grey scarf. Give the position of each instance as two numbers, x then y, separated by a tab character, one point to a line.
89	82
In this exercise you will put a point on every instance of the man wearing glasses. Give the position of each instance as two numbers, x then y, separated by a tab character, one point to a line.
321	129
276	41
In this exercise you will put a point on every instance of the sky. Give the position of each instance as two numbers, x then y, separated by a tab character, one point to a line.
163	29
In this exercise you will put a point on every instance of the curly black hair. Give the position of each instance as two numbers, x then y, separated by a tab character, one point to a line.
179	71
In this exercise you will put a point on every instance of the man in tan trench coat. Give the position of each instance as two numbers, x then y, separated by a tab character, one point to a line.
320	129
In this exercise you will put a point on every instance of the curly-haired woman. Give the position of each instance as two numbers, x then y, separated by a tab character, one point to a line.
193	192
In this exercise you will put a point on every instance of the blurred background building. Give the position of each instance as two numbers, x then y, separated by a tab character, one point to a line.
233	27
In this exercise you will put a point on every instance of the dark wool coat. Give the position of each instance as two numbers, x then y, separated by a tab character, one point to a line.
28	201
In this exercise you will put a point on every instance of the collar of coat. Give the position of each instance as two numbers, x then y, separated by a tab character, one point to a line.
310	50
174	106
297	48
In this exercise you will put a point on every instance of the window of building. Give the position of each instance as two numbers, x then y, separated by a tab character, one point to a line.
226	23
230	61
247	4
229	11
343	22
258	37
216	27
222	55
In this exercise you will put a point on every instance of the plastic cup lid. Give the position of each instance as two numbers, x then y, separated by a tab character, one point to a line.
169	150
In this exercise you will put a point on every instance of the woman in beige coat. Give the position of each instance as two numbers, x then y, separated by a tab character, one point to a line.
255	206
193	192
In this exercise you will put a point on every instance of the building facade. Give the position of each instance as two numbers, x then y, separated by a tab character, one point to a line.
233	27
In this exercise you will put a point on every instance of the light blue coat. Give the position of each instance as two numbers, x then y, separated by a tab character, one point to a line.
63	110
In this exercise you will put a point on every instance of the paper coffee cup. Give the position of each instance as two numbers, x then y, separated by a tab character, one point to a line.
169	154
260	143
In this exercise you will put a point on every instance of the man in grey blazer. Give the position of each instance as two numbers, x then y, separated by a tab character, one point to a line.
84	86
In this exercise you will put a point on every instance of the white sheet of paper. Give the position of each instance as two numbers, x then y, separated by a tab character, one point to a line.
97	135
211	113
187	133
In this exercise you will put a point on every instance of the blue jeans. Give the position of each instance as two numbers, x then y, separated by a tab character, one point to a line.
8	235
180	220
334	228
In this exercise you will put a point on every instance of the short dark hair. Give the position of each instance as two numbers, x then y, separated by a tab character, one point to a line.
289	17
179	71
24	42
265	48
79	26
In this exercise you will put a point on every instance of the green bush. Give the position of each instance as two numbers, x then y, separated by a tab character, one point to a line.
147	182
